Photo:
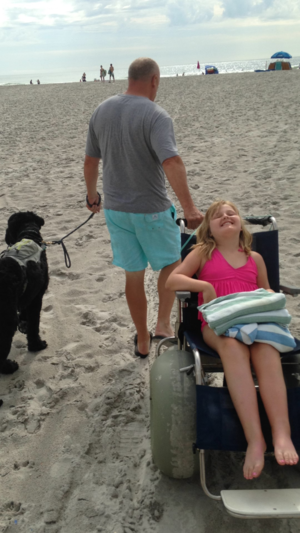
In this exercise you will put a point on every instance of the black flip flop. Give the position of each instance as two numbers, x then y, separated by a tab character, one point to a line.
136	352
158	338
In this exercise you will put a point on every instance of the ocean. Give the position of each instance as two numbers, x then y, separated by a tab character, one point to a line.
71	75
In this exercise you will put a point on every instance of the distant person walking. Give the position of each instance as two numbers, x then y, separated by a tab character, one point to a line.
31	82
111	72
102	72
83	77
135	139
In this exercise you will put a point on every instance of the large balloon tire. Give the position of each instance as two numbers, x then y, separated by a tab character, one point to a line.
173	414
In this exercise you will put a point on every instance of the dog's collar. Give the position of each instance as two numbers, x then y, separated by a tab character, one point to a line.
30	231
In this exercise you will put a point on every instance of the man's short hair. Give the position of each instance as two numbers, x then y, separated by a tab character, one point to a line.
143	68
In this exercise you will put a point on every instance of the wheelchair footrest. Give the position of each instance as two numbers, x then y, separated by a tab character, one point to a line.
269	503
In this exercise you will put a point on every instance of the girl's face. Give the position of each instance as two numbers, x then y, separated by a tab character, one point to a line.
225	222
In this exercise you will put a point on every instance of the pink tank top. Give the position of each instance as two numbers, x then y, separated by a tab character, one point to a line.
226	279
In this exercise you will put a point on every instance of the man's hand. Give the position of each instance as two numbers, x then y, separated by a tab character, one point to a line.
94	201
194	218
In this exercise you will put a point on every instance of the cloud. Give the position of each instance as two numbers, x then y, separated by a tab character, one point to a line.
262	9
46	12
246	8
124	14
185	12
84	16
191	12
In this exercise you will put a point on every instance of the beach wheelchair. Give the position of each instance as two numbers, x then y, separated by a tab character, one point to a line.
189	416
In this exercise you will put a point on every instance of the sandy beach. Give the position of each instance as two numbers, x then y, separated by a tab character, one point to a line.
74	424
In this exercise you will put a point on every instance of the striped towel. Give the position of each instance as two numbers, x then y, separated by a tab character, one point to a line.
281	317
272	334
245	307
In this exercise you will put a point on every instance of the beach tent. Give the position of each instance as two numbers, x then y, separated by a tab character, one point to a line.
280	65
210	69
281	62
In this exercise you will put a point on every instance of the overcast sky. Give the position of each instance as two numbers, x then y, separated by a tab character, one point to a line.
67	34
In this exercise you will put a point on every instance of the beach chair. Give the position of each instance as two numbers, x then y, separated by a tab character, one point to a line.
278	65
188	416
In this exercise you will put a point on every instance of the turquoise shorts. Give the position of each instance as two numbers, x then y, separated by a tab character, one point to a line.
138	239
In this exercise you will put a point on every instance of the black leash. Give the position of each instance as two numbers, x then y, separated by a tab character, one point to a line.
61	241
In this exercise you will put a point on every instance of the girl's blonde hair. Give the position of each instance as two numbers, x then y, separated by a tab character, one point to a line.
206	242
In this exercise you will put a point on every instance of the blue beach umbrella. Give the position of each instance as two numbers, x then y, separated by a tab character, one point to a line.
281	55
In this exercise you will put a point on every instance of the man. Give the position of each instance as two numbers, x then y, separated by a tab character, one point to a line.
134	137
111	73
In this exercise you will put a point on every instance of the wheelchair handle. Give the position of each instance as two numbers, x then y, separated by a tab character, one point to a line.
182	223
180	220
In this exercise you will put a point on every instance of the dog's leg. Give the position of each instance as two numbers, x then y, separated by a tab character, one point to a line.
8	367
7	332
22	324
35	343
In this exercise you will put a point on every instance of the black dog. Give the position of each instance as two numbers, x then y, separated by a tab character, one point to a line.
22	288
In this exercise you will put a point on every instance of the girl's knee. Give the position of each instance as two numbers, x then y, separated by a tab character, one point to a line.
233	347
221	343
262	349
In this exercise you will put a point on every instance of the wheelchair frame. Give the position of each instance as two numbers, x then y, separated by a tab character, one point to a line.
267	503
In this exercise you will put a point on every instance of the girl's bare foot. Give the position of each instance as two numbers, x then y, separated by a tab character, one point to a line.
255	459
284	450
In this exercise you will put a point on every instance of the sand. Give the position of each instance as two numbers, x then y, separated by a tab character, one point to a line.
74	425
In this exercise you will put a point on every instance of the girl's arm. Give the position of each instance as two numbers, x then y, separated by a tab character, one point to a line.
181	277
262	275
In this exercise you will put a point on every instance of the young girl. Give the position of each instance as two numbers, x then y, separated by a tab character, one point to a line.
224	264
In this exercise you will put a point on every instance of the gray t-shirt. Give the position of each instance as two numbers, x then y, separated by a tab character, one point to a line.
133	136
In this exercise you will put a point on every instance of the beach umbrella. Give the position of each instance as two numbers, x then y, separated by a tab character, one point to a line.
281	55
198	64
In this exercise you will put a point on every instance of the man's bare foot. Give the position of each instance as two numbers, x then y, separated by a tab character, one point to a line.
163	330
255	460
142	347
284	450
